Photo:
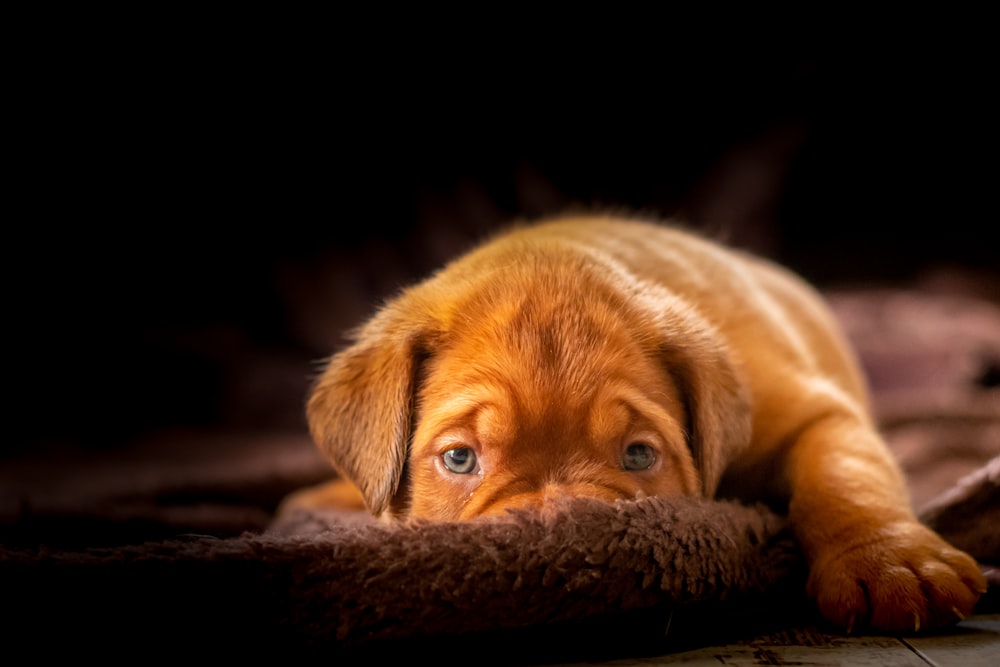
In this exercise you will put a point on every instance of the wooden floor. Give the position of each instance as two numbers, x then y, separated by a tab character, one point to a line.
973	643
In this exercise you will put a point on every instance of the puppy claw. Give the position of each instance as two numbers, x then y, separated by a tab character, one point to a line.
850	623
960	615
916	622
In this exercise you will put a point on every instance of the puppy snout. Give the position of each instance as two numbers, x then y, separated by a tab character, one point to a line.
501	502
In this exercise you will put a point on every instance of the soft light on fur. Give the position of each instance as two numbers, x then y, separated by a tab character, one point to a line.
545	355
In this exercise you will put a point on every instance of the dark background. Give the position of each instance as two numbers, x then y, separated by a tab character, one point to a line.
194	222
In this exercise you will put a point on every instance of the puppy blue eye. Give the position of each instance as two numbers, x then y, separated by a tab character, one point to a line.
460	460
638	456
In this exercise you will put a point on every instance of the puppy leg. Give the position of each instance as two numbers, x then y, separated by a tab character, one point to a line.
871	562
335	494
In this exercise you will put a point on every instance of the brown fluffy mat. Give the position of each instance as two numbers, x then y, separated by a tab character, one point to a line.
170	548
341	583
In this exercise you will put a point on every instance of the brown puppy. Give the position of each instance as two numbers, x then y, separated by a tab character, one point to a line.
619	359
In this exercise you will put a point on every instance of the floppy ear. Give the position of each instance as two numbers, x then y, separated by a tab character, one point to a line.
716	397
360	411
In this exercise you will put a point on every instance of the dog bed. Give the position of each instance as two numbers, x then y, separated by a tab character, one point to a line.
171	545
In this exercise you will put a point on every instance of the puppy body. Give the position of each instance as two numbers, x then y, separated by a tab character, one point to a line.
619	358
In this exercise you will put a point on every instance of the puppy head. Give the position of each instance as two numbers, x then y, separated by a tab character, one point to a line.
455	403
542	398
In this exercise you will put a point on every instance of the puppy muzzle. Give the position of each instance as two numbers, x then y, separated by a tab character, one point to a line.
504	500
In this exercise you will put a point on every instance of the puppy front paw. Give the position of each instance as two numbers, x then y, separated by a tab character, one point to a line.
901	577
334	494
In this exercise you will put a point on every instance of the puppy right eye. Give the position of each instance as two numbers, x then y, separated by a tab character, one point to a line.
638	456
460	460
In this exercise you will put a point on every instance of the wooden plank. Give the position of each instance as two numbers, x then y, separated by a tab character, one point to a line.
974	642
811	649
839	652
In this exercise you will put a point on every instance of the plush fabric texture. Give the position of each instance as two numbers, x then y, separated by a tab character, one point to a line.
172	544
344	580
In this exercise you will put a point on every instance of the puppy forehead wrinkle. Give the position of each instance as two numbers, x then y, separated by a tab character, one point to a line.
532	349
623	406
464	407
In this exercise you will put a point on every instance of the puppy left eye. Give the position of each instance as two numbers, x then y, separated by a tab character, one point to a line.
638	456
460	460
